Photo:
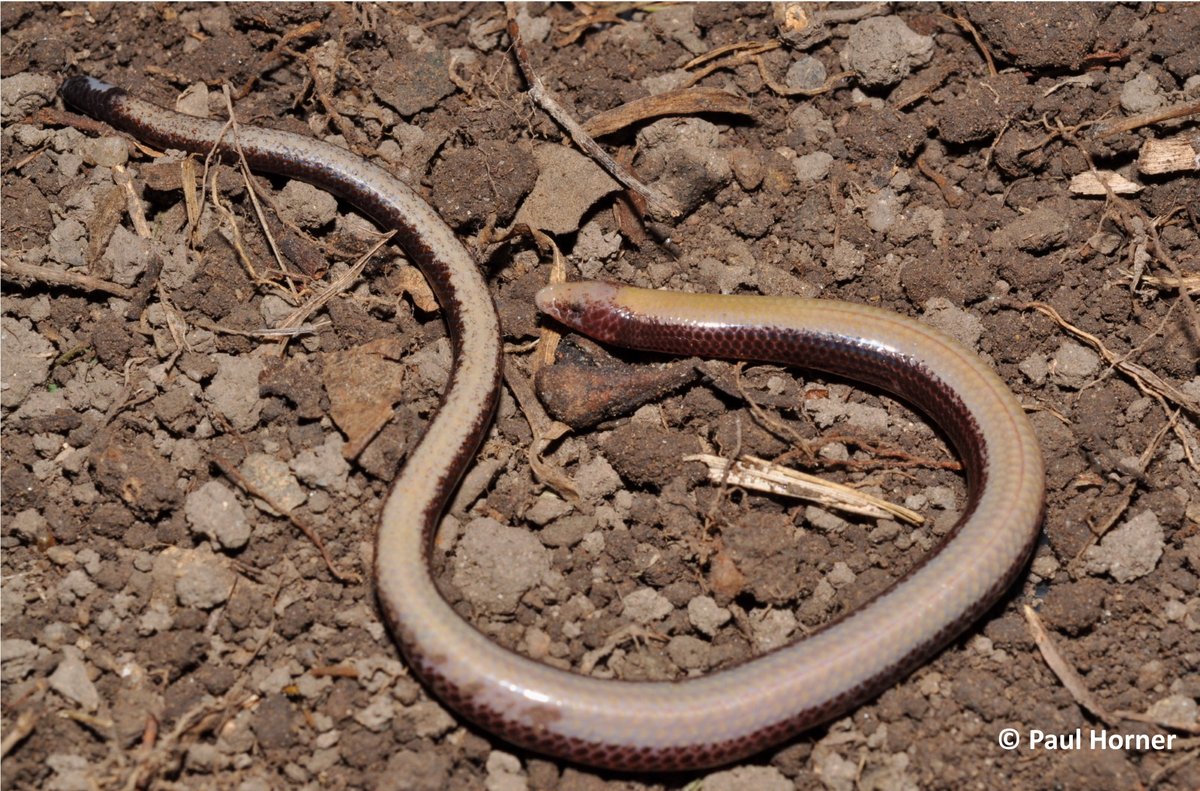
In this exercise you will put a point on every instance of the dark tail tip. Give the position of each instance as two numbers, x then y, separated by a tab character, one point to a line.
94	97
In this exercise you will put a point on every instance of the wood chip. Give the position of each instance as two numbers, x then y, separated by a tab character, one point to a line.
1092	182
363	384
1181	152
410	281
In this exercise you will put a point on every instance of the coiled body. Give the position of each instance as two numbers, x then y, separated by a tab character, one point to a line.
727	714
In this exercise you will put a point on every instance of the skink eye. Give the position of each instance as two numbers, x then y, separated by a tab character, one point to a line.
572	314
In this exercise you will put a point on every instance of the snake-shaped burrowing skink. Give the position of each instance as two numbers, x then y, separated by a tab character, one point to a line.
727	714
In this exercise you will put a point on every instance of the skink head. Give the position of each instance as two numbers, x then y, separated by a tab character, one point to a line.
589	307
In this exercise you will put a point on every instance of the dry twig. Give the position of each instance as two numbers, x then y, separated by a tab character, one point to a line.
594	14
760	475
659	204
952	198
687	101
295	319
752	52
274	58
545	430
1148	381
1066	674
235	475
966	25
250	188
26	721
1116	127
1075	684
67	278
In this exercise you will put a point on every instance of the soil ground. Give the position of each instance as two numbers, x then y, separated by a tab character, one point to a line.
165	626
